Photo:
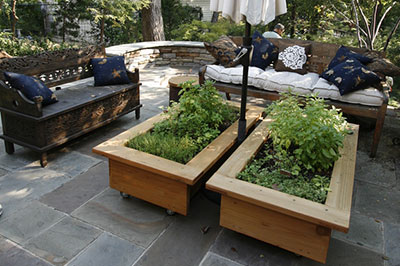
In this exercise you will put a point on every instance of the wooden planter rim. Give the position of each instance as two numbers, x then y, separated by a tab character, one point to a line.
335	213
187	173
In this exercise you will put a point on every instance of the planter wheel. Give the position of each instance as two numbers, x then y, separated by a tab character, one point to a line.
124	195
169	212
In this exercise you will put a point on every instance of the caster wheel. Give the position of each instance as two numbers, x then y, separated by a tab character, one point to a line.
396	141
124	195
170	213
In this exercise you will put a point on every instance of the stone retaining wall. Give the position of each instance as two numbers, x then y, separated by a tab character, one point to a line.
163	53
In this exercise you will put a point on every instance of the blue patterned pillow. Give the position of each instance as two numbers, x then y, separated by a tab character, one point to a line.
344	53
264	52
109	71
30	87
350	76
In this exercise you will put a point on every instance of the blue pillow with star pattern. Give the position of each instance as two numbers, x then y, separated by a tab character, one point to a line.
350	76
264	51
344	53
109	71
31	87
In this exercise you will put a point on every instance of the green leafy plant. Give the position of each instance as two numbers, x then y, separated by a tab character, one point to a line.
190	125
309	130
305	137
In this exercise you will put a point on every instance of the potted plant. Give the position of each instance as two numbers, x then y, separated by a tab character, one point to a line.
167	158
291	151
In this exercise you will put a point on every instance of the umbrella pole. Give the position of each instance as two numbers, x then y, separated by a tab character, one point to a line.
245	63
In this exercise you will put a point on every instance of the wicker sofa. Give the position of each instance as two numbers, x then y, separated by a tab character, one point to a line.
268	84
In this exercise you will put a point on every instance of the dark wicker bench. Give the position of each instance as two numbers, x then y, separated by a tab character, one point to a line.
80	109
322	54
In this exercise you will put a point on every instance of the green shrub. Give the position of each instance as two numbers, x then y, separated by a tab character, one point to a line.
190	125
21	47
304	144
308	130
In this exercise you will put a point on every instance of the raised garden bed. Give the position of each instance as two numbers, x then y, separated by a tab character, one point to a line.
295	224
160	181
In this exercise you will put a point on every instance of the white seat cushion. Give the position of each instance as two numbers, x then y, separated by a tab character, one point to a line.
369	96
269	79
281	81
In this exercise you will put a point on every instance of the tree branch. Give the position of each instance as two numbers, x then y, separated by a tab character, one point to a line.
365	20
391	34
350	20
381	20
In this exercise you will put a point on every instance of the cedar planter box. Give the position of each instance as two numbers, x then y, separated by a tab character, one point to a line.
160	181
296	224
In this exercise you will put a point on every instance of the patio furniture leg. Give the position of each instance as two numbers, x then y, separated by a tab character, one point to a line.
9	147
378	130
137	113
228	96
43	159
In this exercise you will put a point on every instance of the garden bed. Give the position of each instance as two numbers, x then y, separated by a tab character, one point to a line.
161	181
295	224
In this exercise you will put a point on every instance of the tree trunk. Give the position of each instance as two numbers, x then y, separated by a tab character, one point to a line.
214	17
152	22
14	17
102	29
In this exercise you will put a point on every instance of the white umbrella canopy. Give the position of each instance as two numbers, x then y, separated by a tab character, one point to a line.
256	12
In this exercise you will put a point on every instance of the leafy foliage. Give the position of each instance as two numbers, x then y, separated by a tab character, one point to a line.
308	130
21	47
190	126
267	171
305	138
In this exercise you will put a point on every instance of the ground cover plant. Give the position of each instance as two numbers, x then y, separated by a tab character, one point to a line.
190	125
305	137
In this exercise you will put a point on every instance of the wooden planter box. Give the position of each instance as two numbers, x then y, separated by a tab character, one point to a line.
160	181
296	224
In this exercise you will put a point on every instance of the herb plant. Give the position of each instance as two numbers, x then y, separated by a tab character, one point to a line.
304	144
190	126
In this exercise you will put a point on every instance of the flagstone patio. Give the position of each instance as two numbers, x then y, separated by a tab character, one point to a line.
65	214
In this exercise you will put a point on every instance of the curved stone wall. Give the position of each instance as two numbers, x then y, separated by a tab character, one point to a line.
172	53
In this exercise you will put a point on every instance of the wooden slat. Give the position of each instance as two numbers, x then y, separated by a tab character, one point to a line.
342	180
215	150
156	189
243	154
298	236
280	202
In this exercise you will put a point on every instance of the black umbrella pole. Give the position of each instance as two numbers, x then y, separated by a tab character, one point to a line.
245	63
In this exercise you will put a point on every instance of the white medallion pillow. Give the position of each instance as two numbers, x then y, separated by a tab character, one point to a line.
293	58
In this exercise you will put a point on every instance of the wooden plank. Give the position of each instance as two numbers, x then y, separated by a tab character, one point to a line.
215	150
280	202
342	180
243	154
156	189
298	236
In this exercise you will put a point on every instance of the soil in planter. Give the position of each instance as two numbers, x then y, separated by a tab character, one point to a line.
271	170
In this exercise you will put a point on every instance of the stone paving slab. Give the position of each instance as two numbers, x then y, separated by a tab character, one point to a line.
63	241
29	222
374	171
392	244
131	219
343	254
364	231
21	186
71	163
188	238
108	250
212	259
249	251
12	255
78	191
378	202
